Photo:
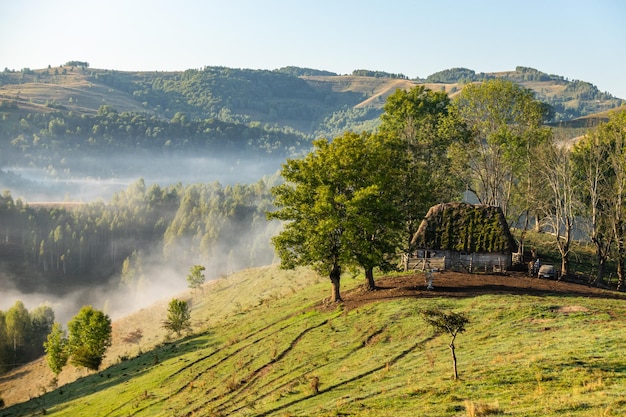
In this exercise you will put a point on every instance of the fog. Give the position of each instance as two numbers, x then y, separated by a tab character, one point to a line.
92	178
113	298
85	181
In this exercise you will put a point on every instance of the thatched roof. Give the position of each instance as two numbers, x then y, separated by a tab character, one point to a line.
464	227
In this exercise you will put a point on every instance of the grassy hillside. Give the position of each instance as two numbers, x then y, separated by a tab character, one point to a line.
43	91
265	346
318	105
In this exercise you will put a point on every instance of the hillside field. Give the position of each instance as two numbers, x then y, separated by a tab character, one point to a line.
265	343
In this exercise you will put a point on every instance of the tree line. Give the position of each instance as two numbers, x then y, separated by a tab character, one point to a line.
41	138
54	248
356	201
22	334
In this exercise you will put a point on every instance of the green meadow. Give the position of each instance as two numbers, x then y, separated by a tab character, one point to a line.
266	345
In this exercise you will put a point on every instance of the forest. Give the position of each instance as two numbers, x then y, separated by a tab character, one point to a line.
426	147
114	254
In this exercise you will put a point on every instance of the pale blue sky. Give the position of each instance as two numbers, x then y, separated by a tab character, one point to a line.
583	40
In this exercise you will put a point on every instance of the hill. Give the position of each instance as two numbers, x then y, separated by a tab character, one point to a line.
265	345
313	102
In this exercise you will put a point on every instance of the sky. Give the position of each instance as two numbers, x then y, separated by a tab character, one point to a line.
579	40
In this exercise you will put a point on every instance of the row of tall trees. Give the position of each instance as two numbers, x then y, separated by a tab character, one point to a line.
358	200
22	334
597	173
57	250
54	248
37	137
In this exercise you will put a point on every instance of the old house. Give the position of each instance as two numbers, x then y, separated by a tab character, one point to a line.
463	237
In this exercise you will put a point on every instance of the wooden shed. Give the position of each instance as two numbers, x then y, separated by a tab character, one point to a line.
463	237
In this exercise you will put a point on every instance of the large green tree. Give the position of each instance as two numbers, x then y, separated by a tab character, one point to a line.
420	123
373	222
337	208
89	337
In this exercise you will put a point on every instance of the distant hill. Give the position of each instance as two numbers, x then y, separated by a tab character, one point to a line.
56	119
313	102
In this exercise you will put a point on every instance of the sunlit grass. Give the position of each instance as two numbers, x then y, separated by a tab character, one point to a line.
265	350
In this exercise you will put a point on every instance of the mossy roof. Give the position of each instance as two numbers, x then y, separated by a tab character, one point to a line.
464	227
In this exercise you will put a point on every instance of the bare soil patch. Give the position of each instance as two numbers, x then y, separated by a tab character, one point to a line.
459	285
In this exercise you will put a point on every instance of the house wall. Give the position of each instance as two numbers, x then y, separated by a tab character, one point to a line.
478	262
460	261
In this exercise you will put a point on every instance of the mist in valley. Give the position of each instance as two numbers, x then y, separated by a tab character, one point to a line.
92	178
156	277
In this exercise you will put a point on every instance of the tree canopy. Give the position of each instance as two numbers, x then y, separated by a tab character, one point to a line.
421	122
196	277
89	337
506	123
178	317
337	205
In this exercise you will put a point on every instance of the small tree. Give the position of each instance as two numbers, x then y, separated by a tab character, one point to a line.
196	276
42	321
56	349
178	317
18	329
452	323
89	337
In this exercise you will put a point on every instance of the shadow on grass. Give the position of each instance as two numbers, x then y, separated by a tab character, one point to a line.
107	378
330	388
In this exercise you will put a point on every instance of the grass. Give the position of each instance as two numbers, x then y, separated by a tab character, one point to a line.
263	350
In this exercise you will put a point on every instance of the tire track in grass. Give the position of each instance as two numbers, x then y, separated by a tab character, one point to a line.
364	344
238	350
216	364
255	374
393	361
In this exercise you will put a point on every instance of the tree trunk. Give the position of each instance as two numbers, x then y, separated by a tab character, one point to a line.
599	281
369	276
564	267
537	223
620	274
456	373
335	276
407	255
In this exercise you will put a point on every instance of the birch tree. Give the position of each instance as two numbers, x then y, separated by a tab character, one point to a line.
505	120
591	157
614	133
561	206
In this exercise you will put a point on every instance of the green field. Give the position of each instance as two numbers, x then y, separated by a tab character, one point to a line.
265	346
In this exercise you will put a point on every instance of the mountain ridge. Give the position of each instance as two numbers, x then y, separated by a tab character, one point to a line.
314	102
